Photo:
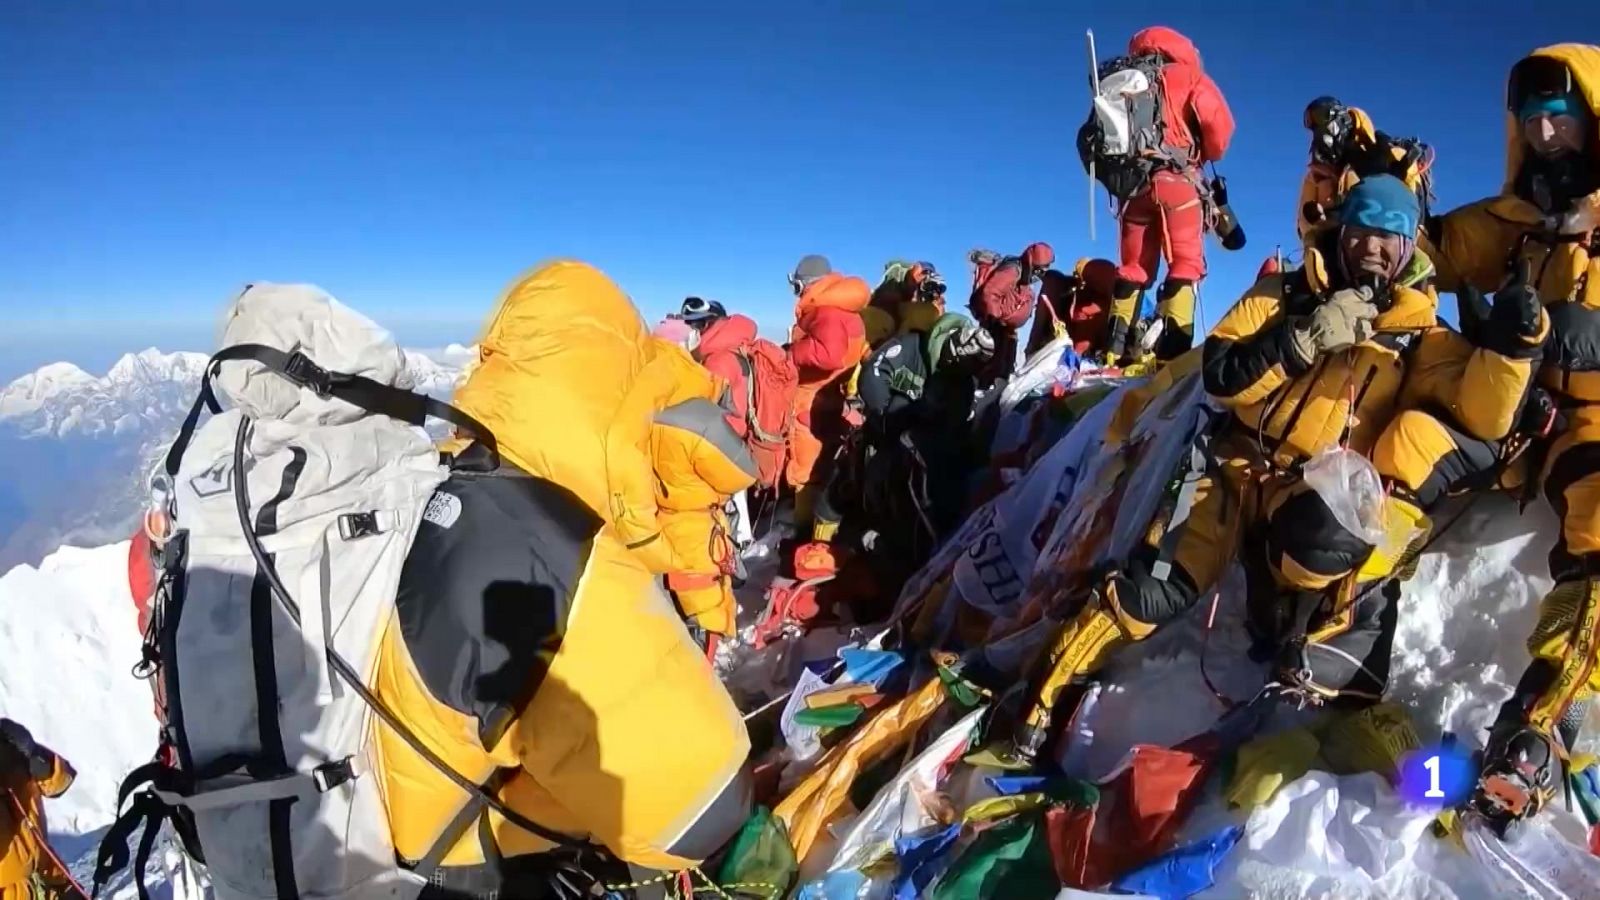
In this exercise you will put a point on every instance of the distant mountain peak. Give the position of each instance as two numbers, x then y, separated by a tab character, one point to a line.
79	446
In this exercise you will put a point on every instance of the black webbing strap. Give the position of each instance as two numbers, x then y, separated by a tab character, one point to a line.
357	390
345	671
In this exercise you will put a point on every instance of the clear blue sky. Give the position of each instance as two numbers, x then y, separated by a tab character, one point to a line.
413	157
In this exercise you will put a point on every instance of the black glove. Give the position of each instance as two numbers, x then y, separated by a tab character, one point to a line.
1516	308
38	761
1473	311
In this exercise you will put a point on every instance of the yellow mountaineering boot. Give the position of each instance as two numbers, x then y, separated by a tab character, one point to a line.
1082	647
1124	309
1175	311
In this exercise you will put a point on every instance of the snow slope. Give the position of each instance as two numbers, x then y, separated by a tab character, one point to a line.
69	639
1459	647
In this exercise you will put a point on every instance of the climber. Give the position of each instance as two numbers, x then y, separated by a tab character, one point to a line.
1002	299
625	735
648	448
827	342
1078	304
29	773
1306	362
1530	245
1165	202
1345	148
906	283
917	391
715	339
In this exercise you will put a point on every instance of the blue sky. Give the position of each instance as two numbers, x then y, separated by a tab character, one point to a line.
413	157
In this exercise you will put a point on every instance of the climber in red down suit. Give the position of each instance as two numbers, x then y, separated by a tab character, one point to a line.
1167	218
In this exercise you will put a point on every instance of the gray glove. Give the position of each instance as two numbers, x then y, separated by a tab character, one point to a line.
1341	321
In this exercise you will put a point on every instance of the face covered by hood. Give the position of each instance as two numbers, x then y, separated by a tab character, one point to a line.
1166	41
833	290
1567	74
956	340
563	345
725	334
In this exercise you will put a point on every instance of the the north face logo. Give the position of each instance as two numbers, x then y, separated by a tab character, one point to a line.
213	481
443	509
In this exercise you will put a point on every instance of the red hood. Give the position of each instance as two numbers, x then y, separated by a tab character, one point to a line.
1164	40
726	334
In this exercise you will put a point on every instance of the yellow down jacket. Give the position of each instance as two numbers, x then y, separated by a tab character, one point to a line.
577	391
1482	243
533	649
1297	411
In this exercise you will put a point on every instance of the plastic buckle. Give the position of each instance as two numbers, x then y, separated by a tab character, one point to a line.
359	525
328	776
302	371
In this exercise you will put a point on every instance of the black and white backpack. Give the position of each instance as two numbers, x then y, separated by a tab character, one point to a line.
289	517
1125	135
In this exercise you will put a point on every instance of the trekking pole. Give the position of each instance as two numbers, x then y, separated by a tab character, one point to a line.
1094	82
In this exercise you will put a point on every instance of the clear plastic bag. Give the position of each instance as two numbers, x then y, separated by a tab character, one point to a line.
1349	485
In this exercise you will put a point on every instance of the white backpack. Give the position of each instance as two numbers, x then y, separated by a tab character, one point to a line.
1125	135
291	515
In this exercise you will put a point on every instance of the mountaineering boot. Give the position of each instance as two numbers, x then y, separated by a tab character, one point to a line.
1124	310
1566	644
1571	723
1175	311
1521	767
1081	649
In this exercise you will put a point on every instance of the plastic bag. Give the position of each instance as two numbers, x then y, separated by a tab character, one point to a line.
760	854
1349	485
1534	861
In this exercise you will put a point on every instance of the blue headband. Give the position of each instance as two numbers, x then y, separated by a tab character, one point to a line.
1551	105
1382	203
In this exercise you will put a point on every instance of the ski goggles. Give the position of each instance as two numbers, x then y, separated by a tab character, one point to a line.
1325	113
696	309
1537	76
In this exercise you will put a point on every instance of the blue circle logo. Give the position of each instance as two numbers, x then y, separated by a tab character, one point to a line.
1437	776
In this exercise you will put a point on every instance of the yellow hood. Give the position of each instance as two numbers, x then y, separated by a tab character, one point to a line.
1583	61
563	349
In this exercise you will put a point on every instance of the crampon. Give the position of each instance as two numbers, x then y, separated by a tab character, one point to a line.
1521	768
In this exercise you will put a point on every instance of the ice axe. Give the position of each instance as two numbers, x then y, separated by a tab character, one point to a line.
1094	84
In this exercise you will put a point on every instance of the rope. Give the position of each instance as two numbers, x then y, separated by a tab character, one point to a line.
43	840
681	881
1228	703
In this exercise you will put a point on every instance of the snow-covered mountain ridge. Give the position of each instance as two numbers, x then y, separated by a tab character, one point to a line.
77	446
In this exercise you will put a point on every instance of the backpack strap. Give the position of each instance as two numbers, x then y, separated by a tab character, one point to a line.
347	672
358	390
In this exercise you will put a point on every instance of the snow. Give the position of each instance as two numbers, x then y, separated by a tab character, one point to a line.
69	638
68	641
28	393
1459	648
79	447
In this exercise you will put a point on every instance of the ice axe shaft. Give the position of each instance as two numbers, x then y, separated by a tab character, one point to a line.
1094	84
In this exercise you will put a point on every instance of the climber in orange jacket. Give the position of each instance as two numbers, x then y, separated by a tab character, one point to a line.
28	774
827	342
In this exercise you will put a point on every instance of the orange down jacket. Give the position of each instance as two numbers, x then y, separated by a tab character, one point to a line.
827	343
